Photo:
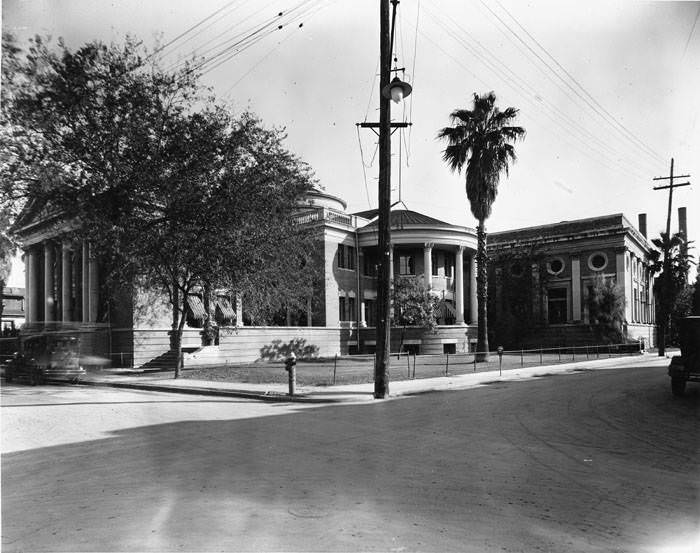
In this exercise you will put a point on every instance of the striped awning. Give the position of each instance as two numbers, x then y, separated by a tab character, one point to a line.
196	307
224	305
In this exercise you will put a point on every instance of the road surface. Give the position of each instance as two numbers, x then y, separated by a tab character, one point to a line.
604	460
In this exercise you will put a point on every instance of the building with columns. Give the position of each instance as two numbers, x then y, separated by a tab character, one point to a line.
438	254
541	277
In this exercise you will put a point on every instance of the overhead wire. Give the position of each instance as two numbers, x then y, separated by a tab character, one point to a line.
612	118
520	85
592	105
577	144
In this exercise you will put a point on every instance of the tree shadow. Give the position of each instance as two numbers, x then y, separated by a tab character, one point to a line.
279	350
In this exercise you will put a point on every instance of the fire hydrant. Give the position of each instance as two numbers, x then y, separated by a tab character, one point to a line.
289	366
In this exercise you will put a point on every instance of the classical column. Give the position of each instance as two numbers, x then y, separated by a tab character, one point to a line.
94	286
576	288
473	302
28	313
85	283
65	281
49	300
428	265
391	264
363	314
621	259
459	284
239	310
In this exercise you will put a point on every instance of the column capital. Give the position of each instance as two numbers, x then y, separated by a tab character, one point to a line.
428	245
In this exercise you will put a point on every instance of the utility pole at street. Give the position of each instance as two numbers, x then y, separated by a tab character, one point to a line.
394	90
666	284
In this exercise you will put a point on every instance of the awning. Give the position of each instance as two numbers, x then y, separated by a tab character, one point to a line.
224	305
196	307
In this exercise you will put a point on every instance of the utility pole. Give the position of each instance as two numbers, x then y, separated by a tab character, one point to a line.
666	284
394	90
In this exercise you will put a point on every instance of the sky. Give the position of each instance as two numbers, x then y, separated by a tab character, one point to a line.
608	91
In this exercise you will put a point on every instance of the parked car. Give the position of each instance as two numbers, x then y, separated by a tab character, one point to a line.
686	366
46	357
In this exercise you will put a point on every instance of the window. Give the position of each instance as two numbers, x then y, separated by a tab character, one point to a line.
557	311
406	265
370	265
341	309
597	261
346	257
449	348
449	265
351	310
371	312
434	263
555	266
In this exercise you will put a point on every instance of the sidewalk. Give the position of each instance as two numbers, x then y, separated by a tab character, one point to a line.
160	382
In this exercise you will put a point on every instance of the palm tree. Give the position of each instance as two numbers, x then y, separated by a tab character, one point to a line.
482	138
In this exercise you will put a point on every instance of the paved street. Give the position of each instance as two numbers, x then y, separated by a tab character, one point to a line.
603	460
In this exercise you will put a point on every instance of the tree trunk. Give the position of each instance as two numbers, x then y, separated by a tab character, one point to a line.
482	340
176	330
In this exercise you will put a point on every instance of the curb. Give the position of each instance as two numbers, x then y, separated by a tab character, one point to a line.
273	397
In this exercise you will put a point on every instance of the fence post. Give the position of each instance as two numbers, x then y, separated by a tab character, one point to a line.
447	363
414	365
408	364
540	355
559	350
521	357
609	352
586	352
474	361
573	353
335	362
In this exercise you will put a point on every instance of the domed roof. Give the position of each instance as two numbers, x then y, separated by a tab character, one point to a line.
316	197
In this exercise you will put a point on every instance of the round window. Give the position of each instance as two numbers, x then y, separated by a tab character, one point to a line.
598	261
555	266
516	270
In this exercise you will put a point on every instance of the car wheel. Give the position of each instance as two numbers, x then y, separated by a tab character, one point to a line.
678	386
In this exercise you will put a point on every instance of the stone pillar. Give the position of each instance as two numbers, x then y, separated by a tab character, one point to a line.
94	278
49	300
85	283
391	264
459	284
28	313
428	265
65	282
239	310
473	301
576	289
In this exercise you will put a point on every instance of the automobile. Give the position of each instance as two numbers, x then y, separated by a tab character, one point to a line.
46	357
685	367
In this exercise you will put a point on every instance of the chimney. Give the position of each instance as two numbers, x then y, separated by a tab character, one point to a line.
643	224
682	222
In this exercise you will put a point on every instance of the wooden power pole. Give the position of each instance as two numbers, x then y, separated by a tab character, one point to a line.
666	283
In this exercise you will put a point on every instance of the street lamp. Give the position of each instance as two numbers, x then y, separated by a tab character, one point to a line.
397	90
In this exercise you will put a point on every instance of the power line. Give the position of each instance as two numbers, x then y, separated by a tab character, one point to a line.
619	128
580	86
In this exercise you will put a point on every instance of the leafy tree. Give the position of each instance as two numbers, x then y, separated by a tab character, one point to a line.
482	139
176	193
682	307
606	305
414	305
672	279
695	309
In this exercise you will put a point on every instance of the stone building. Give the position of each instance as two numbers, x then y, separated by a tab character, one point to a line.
541	278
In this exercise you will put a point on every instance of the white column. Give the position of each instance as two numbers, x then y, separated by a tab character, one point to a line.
428	265
391	264
49	301
239	310
94	285
65	281
576	288
85	283
363	314
473	311
459	284
28	314
620	260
